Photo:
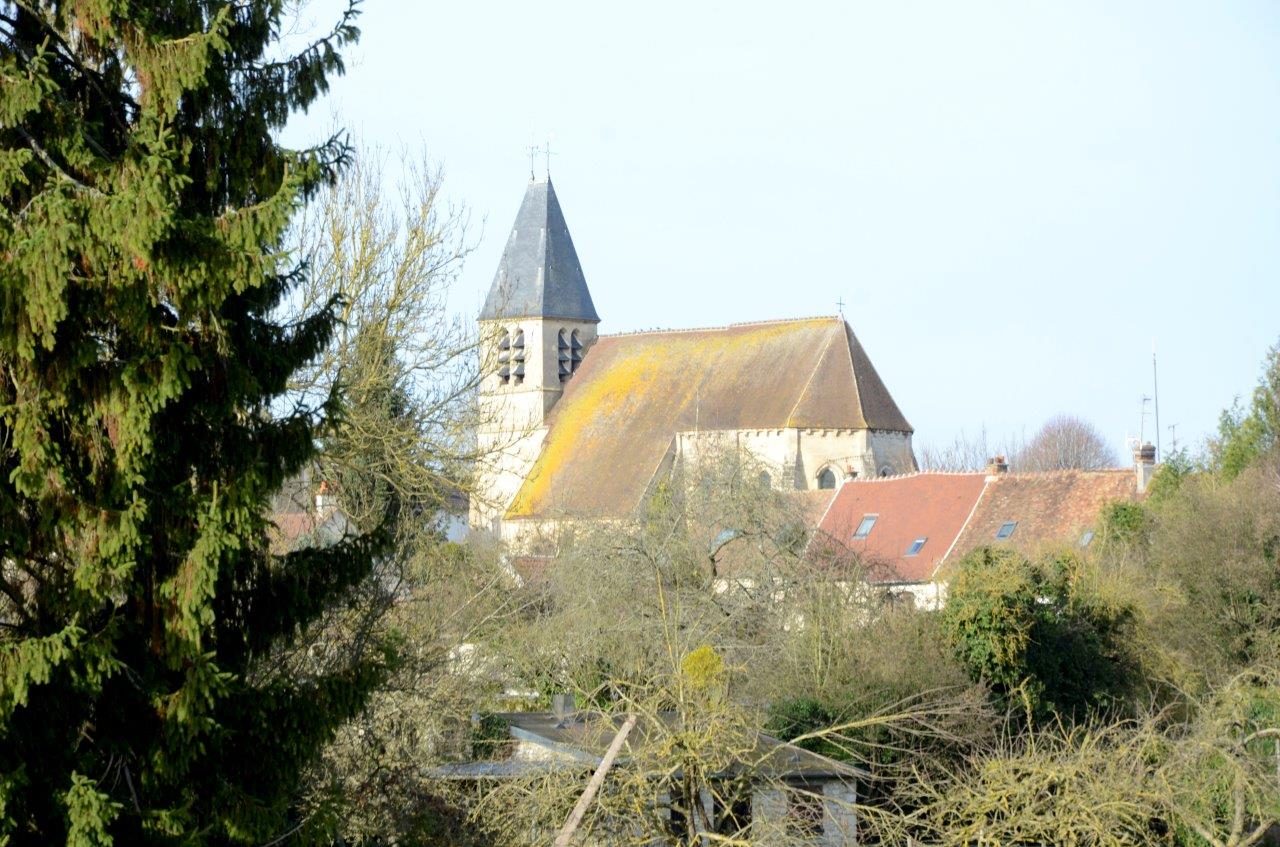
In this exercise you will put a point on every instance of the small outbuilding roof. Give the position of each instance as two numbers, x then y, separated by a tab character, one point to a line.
583	738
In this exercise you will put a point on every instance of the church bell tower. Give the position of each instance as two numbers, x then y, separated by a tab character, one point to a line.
537	324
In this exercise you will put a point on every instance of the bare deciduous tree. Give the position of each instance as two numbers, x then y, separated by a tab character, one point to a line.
966	452
1065	442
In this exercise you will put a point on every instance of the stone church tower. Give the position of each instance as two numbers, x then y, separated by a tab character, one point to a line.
537	324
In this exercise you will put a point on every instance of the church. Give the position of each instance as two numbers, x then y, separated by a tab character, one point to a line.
578	425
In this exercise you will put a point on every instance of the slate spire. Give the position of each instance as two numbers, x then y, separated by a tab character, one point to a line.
539	275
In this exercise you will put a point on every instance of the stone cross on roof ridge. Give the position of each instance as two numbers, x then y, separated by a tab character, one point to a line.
539	274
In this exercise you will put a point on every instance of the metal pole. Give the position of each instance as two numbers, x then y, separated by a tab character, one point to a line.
1155	395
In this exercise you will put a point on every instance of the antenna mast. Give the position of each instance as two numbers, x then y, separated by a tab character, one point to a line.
1155	396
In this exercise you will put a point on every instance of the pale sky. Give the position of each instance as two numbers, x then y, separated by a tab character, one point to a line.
1013	199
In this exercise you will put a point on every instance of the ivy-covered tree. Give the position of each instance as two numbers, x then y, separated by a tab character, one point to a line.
1030	631
144	424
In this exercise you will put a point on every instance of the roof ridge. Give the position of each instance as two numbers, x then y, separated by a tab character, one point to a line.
670	330
908	474
1065	472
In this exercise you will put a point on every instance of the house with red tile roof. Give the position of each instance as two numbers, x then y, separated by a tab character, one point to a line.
906	530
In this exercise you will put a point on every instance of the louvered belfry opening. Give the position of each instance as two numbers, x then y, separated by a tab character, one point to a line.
568	353
517	357
504	358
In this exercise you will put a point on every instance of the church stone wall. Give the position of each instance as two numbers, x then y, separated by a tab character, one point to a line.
795	458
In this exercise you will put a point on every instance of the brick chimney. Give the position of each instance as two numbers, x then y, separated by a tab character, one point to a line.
1144	465
996	466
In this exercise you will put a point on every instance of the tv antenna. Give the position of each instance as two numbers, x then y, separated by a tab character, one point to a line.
1155	393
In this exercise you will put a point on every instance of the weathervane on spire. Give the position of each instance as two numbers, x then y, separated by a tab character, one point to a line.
545	150
547	154
533	152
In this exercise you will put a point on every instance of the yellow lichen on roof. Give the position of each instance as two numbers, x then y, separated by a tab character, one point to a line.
600	397
619	414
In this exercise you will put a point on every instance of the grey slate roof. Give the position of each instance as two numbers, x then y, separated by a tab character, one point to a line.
539	275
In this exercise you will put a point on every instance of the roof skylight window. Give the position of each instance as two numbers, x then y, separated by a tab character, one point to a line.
915	546
1086	538
1006	529
864	528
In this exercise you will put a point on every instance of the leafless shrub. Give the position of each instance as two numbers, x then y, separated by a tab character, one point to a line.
1065	442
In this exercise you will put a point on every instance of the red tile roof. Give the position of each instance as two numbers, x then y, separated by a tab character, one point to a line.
1051	507
933	506
958	512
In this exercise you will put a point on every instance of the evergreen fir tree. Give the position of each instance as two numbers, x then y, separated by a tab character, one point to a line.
143	200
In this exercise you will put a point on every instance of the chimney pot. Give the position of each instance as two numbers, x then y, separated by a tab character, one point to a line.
1144	465
997	465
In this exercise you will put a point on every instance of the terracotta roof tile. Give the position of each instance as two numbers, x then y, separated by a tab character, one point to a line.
933	506
958	512
611	431
1051	507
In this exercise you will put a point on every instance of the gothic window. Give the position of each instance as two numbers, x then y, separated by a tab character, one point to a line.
827	479
504	358
766	481
517	357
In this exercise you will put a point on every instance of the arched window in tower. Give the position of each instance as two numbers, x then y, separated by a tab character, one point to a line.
827	479
504	358
517	357
562	355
